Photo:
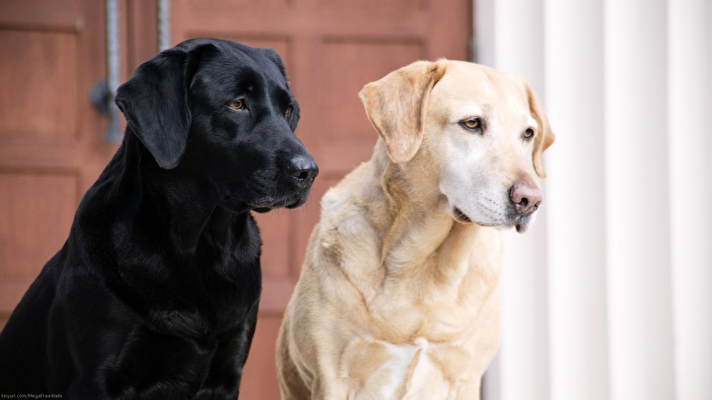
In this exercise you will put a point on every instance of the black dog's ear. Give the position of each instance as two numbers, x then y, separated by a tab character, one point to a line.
155	101
273	56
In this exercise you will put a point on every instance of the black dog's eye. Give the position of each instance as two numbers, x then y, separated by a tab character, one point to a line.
238	104
473	124
288	112
528	134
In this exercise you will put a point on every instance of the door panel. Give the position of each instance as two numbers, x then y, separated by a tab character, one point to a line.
347	137
50	137
25	217
259	381
32	227
42	74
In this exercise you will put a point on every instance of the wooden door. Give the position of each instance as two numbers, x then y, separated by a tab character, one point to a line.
51	145
331	49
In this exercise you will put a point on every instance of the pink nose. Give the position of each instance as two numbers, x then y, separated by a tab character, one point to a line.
526	198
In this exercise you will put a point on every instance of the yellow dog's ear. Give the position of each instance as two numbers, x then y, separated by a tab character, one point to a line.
396	105
545	137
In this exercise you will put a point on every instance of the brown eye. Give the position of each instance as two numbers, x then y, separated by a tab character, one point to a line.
239	104
472	124
528	134
288	112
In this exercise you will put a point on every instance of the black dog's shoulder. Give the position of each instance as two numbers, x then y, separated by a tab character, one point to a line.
23	341
109	349
121	353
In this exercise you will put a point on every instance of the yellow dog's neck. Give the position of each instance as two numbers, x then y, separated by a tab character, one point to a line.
412	217
428	262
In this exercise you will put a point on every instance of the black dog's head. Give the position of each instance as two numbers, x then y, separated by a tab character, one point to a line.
223	112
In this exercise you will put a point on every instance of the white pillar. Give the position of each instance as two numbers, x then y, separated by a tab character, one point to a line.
575	200
510	38
637	202
689	109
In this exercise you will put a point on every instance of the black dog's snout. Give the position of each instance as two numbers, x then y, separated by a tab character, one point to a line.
302	169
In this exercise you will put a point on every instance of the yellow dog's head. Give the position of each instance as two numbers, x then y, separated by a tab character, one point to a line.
482	131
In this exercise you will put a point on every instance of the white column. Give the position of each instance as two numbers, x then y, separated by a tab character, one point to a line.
637	202
512	40
575	200
689	109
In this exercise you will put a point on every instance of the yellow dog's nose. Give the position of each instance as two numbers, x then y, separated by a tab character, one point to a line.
526	198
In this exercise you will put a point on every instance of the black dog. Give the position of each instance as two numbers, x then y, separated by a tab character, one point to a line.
155	293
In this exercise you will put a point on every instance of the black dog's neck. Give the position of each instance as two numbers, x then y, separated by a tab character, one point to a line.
173	211
166	246
188	206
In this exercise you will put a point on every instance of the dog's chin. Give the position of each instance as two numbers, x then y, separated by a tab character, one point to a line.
520	222
522	226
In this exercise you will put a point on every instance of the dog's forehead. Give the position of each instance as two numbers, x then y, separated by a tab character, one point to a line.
472	85
237	58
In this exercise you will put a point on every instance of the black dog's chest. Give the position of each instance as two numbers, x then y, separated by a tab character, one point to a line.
200	294
194	325
179	367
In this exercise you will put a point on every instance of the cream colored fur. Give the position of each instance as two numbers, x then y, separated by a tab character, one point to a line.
396	299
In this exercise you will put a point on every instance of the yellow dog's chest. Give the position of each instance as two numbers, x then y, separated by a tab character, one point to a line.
411	307
376	369
454	335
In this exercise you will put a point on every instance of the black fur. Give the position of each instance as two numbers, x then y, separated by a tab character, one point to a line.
155	293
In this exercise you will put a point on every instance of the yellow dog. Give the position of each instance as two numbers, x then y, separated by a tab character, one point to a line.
398	295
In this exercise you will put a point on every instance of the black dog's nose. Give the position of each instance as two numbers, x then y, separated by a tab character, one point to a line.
302	169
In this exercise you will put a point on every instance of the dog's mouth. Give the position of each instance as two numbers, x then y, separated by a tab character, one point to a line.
263	198
520	223
460	216
268	203
298	202
265	209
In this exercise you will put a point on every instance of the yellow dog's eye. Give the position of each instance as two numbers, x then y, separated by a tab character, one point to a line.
238	104
288	112
472	124
528	134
